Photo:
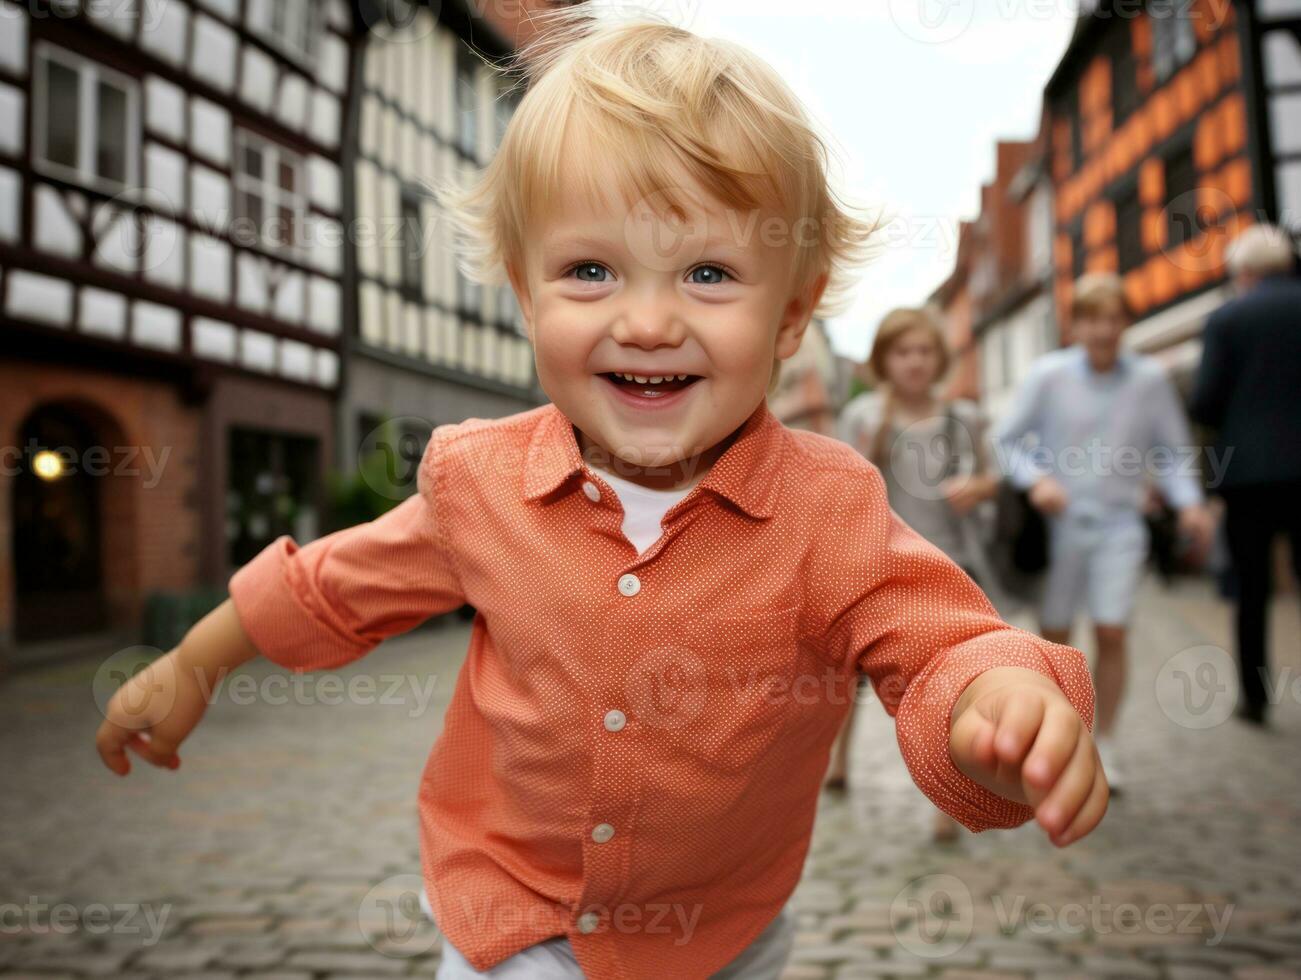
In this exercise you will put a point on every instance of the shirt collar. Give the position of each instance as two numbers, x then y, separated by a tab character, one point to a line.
1124	361
746	473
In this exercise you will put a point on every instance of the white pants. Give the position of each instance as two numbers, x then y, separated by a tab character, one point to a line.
553	959
1098	562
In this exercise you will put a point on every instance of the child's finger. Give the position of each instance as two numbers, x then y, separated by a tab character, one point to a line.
1056	810
153	750
109	742
1090	814
1053	748
1018	725
973	740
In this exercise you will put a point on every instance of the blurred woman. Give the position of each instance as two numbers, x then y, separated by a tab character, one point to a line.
932	455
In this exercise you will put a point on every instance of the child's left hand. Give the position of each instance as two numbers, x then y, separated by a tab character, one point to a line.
1014	732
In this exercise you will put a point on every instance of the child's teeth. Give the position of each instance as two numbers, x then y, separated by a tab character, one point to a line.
639	378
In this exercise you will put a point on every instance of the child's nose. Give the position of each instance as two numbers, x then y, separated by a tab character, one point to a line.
650	322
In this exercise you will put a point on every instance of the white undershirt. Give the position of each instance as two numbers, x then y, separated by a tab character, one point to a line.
643	508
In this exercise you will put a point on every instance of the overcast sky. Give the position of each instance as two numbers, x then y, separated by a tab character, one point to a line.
913	94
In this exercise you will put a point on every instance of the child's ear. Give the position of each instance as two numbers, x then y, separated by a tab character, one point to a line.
797	316
519	284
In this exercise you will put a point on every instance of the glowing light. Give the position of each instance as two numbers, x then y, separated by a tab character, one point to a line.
48	465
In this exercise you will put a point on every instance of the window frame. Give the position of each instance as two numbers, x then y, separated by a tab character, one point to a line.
1167	34
90	74
1124	75
411	199
1168	160
279	38
1130	253
1079	253
241	182
467	120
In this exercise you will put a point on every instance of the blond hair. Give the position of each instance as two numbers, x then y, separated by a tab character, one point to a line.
643	101
1095	291
895	324
1261	250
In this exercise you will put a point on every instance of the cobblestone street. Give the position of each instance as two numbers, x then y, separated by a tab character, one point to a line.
262	855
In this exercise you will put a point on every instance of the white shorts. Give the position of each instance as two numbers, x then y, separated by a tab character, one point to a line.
1096	561
553	959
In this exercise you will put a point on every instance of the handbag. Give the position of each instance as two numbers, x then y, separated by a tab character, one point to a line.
1010	548
1018	549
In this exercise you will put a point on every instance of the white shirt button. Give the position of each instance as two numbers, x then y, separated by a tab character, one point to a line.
587	922
592	490
629	584
602	832
615	720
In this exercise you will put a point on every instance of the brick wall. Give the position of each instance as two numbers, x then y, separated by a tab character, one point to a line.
149	518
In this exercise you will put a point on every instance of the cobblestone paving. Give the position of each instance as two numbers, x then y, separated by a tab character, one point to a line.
262	855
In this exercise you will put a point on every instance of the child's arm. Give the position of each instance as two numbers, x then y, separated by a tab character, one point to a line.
158	707
944	664
313	607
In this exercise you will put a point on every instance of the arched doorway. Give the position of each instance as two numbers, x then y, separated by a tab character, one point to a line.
57	524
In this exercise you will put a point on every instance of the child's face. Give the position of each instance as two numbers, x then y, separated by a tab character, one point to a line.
1099	332
607	289
912	364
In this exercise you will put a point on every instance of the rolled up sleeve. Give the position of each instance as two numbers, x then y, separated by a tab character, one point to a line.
921	630
327	603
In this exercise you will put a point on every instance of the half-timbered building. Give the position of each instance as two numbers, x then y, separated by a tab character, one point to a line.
171	278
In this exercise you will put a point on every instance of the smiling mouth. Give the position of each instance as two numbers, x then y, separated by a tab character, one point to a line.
650	386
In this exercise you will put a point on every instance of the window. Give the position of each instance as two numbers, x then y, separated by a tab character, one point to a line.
1077	252
1070	111
269	202
87	121
1173	40
508	312
469	296
1181	198
272	490
289	25
413	243
467	103
506	104
1124	74
1129	230
1039	230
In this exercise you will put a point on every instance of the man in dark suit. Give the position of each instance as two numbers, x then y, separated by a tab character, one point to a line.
1249	388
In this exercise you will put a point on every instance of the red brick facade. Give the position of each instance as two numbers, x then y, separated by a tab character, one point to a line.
149	532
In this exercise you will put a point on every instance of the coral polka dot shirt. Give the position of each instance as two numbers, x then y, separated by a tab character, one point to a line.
634	747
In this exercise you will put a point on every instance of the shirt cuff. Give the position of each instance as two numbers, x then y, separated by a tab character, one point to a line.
928	710
289	624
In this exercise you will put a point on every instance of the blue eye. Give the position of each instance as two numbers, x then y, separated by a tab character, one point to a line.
594	269
715	274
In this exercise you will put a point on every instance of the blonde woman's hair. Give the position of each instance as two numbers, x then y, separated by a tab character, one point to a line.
1261	250
634	103
895	324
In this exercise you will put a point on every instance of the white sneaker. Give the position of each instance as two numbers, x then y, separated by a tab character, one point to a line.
1110	763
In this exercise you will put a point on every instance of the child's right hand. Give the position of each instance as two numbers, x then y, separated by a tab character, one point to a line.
152	713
